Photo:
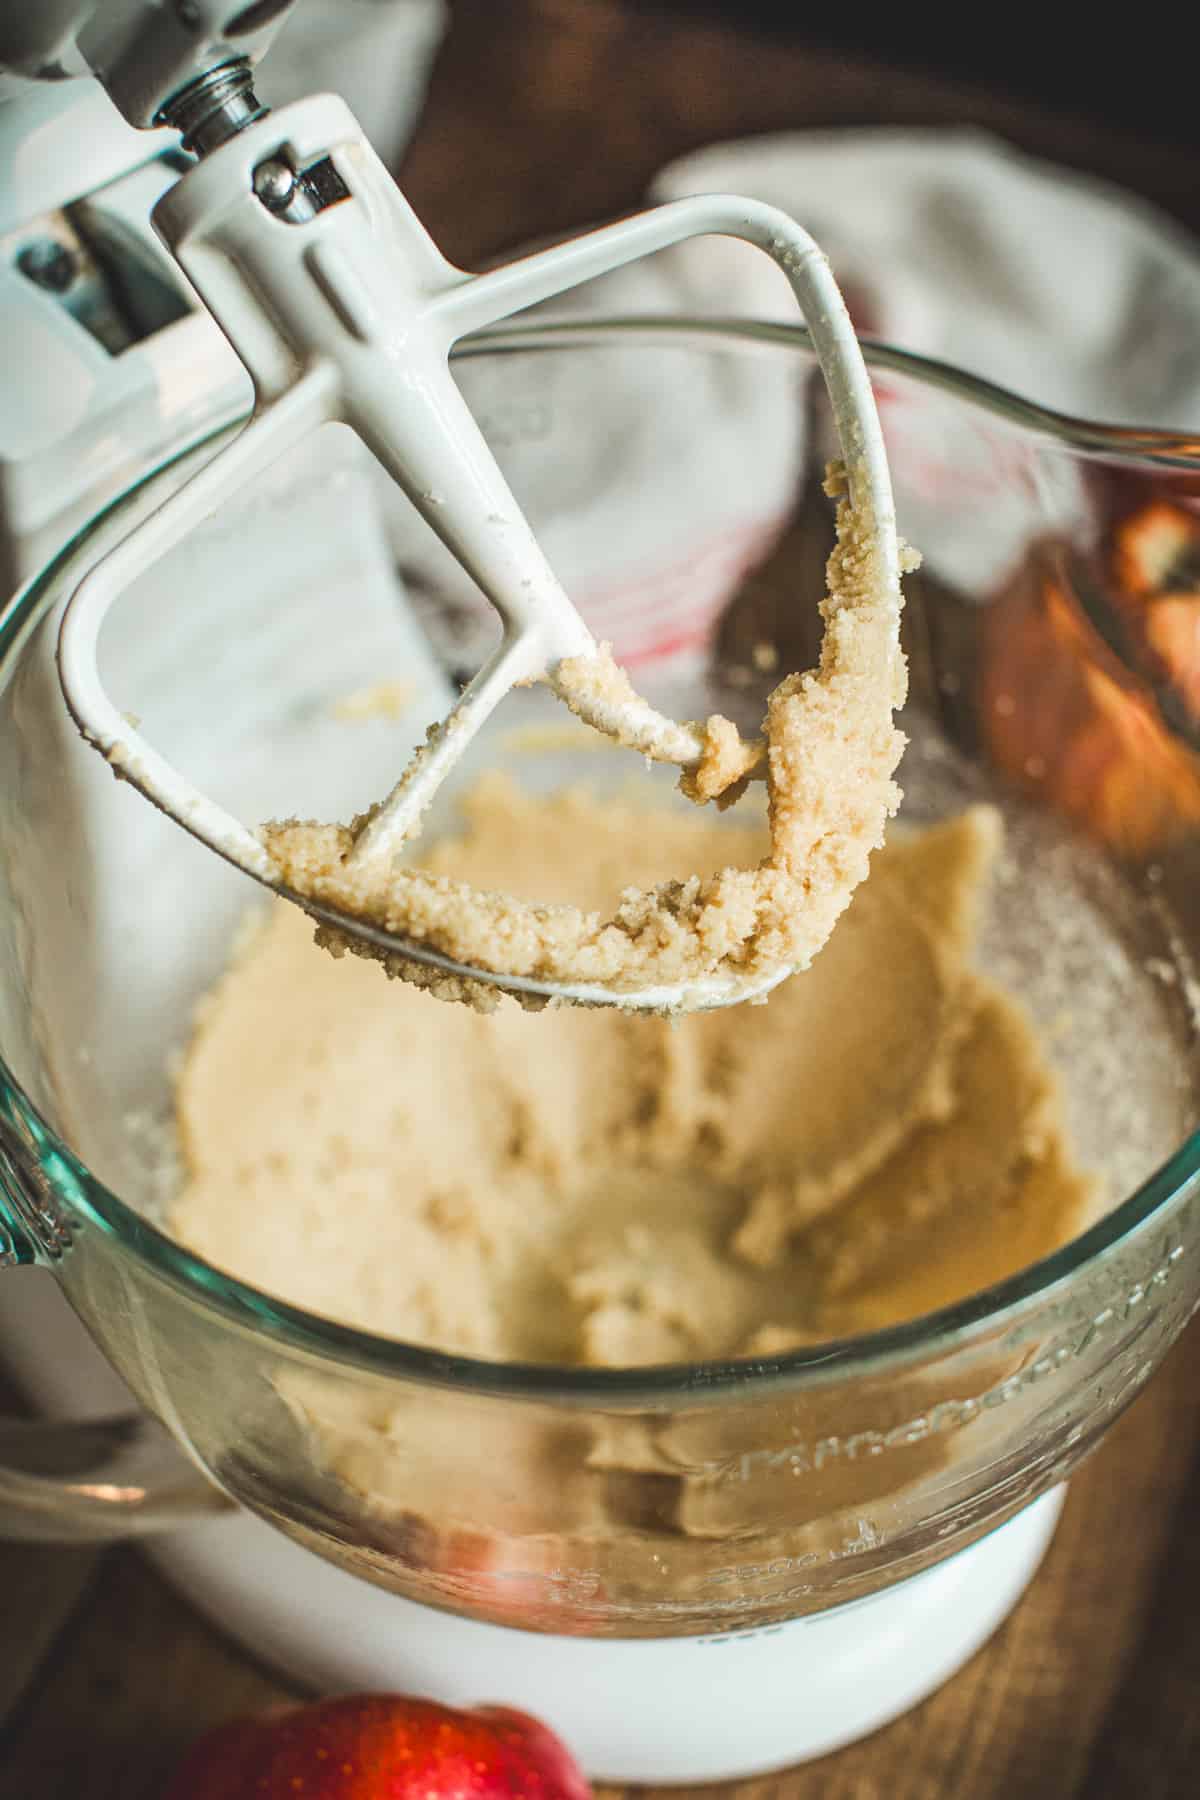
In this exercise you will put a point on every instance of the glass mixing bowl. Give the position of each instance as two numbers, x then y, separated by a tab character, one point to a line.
672	471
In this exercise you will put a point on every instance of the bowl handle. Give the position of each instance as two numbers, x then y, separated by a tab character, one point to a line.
96	1480
90	1480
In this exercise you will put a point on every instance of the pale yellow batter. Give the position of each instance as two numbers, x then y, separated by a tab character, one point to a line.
831	750
880	1138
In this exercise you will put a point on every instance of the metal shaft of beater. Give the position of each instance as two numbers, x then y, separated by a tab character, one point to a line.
214	108
210	111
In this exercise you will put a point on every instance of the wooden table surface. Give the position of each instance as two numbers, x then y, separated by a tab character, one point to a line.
542	115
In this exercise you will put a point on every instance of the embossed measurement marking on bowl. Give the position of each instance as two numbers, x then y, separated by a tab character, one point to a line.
361	311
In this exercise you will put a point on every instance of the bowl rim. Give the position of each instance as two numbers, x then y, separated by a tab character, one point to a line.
672	1385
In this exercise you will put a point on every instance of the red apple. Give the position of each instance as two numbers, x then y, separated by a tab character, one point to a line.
381	1747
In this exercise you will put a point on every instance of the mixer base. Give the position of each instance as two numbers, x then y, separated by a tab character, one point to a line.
644	1710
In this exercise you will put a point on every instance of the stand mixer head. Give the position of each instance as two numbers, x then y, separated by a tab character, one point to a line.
342	308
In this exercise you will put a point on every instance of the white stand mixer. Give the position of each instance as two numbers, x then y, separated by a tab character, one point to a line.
649	1710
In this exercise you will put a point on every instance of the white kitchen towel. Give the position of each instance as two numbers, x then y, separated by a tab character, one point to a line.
1070	292
655	480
